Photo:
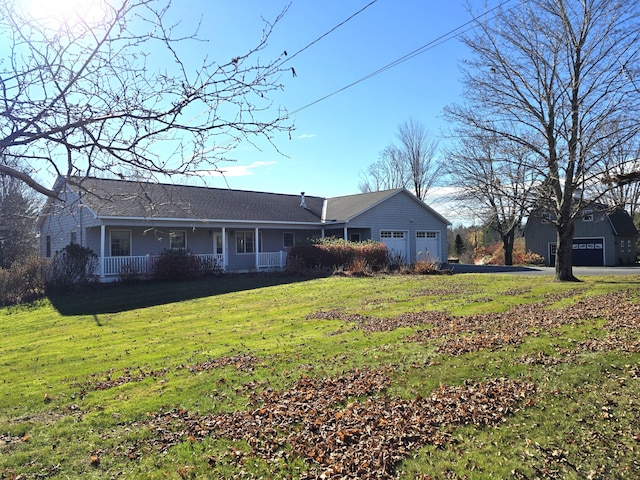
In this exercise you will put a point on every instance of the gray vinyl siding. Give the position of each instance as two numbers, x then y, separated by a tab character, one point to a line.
539	235
63	219
403	213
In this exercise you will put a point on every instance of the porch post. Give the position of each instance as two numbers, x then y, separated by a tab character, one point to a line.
345	233
257	247
102	244
224	248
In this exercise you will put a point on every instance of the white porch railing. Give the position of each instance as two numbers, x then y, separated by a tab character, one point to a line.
144	263
272	259
115	265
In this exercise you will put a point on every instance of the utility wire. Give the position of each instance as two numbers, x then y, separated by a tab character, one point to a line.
327	33
428	46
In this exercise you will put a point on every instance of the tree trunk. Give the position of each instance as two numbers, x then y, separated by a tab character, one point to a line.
564	252
507	246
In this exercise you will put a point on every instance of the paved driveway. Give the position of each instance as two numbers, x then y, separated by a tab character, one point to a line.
577	271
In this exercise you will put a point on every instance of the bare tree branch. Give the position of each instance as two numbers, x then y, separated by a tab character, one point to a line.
115	95
411	164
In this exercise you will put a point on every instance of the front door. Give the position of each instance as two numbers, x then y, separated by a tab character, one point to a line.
217	243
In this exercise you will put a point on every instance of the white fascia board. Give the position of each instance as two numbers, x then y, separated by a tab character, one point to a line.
203	220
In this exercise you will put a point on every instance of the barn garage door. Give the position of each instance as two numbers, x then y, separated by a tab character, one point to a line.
396	242
427	246
587	252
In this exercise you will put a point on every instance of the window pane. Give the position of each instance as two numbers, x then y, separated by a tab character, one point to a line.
239	242
248	245
244	242
177	239
288	239
120	243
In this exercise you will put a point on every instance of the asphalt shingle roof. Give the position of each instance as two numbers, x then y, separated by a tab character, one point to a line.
349	206
120	198
146	200
622	223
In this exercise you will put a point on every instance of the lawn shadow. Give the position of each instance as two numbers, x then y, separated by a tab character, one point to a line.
118	297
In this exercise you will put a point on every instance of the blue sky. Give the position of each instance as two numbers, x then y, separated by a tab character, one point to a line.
337	138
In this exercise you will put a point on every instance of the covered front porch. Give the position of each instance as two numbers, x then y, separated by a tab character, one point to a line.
126	249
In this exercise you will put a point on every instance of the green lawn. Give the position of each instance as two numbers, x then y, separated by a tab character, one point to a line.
459	376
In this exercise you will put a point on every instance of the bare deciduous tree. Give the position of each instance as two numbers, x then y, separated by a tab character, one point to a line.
410	164
117	95
556	70
18	211
494	182
389	172
621	160
420	152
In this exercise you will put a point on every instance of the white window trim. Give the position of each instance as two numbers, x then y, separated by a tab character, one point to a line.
244	234
293	239
111	241
172	233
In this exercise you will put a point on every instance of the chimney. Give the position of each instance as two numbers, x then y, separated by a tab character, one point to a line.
303	204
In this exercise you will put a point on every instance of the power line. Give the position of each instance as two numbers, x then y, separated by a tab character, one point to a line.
329	32
428	46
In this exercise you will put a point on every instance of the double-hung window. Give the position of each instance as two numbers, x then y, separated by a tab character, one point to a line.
120	243
177	239
245	242
288	239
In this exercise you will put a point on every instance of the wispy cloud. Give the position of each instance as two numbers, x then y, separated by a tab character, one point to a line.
305	136
237	170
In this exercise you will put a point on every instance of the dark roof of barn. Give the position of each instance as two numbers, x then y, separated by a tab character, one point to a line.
622	223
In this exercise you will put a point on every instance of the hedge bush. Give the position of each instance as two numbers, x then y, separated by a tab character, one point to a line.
72	266
338	253
23	282
176	265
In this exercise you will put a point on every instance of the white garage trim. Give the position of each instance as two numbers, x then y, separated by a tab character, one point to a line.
428	246
396	242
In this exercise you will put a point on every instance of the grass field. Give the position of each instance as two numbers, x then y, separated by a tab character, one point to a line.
459	376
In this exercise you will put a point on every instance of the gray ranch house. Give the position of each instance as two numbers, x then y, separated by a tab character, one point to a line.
602	237
129	223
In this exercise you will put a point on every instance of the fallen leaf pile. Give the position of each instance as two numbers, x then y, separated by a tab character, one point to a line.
362	439
7	439
104	381
540	358
242	362
464	334
128	375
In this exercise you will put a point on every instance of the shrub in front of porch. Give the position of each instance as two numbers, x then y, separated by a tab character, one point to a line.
72	266
332	253
176	265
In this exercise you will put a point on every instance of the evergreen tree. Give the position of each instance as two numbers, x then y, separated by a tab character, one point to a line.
459	245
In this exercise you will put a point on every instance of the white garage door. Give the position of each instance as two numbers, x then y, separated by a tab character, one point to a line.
396	242
428	246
